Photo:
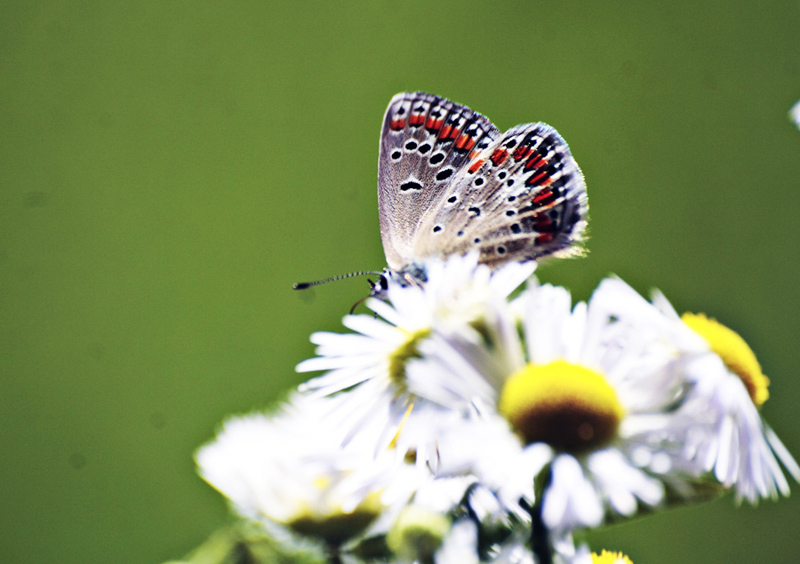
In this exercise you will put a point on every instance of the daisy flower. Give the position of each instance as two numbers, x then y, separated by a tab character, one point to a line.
288	470
738	446
580	411
370	363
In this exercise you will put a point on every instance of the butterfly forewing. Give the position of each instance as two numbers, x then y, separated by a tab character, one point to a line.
426	142
521	198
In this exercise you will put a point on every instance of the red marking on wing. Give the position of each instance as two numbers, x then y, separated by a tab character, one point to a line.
544	238
416	119
545	197
475	166
449	132
536	179
544	226
433	124
499	156
522	152
535	161
474	154
465	142
397	124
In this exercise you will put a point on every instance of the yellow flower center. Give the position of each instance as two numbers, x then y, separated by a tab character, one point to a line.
405	352
567	406
734	351
336	526
607	557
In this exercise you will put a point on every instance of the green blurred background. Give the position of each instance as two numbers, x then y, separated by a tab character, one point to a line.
168	169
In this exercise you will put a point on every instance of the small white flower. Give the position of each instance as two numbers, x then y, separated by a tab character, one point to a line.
590	395
289	469
371	363
725	433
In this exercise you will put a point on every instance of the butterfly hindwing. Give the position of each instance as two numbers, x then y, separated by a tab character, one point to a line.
521	198
426	142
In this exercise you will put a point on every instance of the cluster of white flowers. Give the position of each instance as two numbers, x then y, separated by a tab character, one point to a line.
474	420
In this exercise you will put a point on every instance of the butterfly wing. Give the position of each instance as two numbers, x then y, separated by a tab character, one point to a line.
522	198
426	142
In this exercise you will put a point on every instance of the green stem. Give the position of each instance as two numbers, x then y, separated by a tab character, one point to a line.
540	535
334	554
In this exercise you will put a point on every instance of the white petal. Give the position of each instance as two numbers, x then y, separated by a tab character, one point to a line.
570	501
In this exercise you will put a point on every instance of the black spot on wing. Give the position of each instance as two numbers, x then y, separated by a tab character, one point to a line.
444	174
410	185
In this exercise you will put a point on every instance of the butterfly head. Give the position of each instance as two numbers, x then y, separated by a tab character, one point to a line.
411	275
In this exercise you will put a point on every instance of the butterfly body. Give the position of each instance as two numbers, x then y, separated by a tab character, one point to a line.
450	182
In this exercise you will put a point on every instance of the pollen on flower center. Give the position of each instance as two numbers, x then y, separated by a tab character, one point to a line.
567	406
734	351
402	354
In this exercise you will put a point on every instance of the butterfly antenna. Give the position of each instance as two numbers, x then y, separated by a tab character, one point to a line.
358	303
305	285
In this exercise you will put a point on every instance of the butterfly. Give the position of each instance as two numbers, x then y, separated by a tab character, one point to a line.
449	182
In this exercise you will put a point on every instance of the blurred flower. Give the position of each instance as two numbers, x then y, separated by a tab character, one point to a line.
725	433
289	469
